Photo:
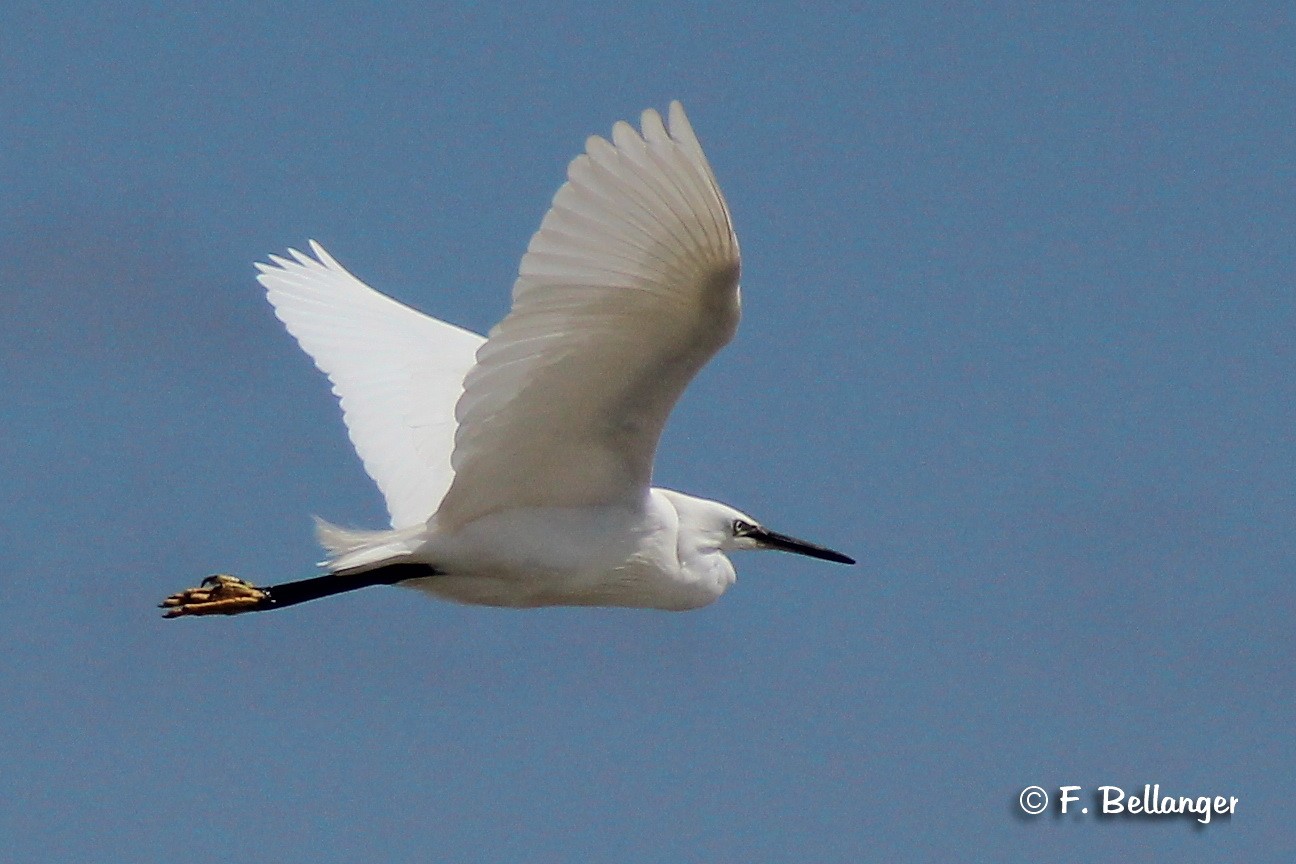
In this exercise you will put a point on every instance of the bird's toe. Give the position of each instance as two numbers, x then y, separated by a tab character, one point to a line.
216	595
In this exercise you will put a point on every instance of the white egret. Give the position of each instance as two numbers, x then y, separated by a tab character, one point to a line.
517	468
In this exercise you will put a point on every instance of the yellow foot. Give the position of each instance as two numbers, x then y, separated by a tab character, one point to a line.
217	595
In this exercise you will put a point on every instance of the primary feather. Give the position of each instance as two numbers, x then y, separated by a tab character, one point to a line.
396	371
625	292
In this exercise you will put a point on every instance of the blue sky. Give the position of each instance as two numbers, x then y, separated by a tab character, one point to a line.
1018	336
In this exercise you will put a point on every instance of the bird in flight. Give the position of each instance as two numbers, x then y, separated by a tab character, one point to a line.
517	468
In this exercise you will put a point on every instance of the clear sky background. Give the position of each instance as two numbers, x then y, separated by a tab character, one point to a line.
1019	336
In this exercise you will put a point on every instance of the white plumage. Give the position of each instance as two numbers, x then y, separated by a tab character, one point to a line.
519	466
396	372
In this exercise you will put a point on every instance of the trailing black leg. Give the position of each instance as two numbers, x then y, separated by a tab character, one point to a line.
226	595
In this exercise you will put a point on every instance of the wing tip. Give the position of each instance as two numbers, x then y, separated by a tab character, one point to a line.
294	260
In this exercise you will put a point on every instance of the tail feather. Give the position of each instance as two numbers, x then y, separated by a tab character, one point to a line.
357	550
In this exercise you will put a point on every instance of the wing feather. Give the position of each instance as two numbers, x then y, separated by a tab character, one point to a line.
625	292
397	373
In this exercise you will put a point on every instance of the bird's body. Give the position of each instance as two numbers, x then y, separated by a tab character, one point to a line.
517	468
580	556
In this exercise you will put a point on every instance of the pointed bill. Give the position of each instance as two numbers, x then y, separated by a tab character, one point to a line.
773	540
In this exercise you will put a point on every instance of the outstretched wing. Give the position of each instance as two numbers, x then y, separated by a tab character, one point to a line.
625	292
397	372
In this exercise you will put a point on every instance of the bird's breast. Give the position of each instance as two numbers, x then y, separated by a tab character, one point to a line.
597	556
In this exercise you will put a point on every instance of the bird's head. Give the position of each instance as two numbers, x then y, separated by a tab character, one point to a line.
721	527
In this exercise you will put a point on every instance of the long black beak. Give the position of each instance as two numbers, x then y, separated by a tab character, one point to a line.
782	542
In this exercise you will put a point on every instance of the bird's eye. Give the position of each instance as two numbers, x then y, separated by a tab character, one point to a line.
741	528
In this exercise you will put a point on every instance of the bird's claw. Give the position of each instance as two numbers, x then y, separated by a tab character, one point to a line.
216	595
